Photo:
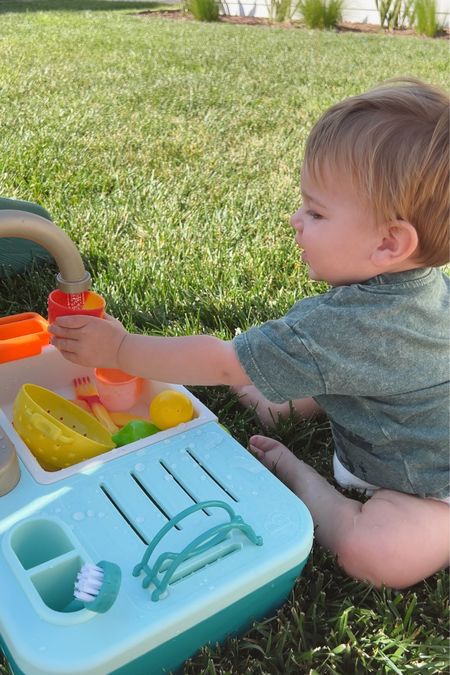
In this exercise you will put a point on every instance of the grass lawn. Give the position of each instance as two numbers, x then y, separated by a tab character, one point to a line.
169	151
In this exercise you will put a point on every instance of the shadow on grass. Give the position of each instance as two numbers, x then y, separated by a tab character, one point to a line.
20	6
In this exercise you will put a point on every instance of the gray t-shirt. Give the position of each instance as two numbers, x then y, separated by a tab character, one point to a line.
375	356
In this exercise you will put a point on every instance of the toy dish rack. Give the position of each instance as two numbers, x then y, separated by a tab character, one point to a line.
206	538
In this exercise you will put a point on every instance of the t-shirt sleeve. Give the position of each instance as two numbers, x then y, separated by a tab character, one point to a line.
278	361
324	345
350	341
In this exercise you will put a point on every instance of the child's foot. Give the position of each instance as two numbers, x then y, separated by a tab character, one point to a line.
297	475
278	459
394	539
269	412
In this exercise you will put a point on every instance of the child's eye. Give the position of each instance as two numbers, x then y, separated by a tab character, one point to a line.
314	215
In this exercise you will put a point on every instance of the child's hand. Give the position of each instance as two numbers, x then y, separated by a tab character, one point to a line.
88	340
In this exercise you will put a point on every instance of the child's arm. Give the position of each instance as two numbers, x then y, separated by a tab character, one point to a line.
196	359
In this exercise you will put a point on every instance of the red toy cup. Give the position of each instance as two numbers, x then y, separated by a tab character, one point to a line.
117	390
64	304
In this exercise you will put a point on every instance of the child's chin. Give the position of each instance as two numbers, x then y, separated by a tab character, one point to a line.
316	276
313	274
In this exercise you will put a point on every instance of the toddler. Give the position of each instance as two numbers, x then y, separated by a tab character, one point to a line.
372	352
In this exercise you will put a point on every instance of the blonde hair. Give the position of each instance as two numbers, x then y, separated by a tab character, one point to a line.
393	143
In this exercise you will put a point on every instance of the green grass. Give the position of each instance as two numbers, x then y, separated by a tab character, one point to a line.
170	151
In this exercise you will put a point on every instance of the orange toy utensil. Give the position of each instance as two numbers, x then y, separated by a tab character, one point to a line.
86	391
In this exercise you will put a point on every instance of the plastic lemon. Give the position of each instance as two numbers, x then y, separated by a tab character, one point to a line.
170	408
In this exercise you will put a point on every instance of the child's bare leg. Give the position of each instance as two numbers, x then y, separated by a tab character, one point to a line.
393	539
269	412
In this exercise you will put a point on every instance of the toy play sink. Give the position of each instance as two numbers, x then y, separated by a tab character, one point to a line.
50	370
112	508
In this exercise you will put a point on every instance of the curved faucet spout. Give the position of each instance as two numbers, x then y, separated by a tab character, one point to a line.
72	277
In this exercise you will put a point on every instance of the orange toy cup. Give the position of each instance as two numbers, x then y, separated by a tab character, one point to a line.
117	390
63	304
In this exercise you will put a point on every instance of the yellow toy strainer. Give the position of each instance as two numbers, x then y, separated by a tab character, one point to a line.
58	432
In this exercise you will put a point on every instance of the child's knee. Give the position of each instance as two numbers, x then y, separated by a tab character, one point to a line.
363	560
387	546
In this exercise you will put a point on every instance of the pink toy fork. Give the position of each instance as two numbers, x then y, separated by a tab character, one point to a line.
86	391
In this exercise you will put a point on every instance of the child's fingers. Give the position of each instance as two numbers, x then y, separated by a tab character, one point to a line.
64	332
88	340
76	351
75	321
56	330
64	345
71	356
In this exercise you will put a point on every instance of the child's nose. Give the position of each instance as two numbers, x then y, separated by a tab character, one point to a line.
296	219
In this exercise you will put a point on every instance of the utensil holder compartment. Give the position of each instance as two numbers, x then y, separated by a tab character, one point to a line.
37	541
50	560
55	584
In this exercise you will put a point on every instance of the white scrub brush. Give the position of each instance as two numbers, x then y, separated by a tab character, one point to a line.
96	587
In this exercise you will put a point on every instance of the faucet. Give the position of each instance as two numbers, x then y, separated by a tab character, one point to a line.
72	277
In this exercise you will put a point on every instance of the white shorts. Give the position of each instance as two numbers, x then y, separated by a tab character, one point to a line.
348	480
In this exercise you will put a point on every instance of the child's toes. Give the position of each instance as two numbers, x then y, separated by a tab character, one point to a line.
264	444
268	451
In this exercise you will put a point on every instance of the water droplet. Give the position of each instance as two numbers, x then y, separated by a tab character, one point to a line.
139	467
140	519
90	513
78	515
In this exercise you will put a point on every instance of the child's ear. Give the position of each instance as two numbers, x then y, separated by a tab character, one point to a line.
398	243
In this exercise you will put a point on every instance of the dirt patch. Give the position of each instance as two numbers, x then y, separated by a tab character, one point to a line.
344	27
179	15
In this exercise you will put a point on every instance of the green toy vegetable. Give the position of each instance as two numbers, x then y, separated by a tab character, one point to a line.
134	431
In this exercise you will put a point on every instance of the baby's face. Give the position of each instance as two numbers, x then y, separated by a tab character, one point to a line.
335	230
